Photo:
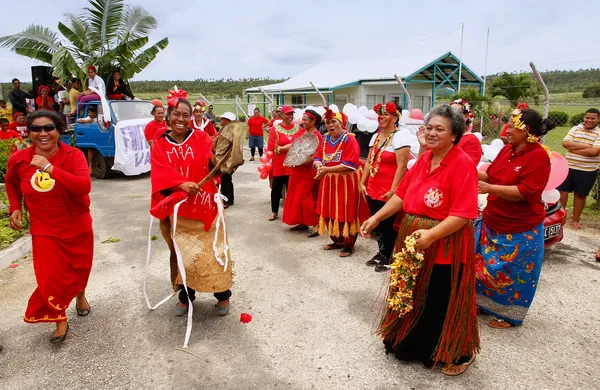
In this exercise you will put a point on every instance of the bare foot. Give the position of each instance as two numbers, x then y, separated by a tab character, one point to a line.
575	225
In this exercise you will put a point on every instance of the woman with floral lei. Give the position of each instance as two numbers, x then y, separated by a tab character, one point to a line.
199	122
510	235
181	158
469	143
431	313
340	204
385	168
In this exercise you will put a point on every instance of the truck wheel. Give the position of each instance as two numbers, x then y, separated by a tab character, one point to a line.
100	166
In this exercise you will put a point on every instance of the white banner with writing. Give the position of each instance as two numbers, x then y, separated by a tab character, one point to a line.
132	152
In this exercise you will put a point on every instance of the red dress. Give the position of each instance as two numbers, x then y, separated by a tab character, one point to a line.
340	204
206	126
300	200
61	227
381	183
280	135
154	129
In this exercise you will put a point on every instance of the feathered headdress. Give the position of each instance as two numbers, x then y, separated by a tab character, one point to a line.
467	108
340	116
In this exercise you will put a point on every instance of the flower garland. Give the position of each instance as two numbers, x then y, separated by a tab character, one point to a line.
289	132
405	270
325	158
373	169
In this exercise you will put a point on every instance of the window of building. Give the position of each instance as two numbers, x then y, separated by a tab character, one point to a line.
374	99
297	100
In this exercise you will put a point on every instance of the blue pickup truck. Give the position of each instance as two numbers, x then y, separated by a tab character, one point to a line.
97	139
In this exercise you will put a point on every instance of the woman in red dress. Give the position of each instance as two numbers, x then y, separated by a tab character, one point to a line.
280	140
300	201
43	101
469	143
199	122
156	127
55	182
385	167
340	205
431	313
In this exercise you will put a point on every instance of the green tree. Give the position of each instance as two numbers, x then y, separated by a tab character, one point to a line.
108	34
515	88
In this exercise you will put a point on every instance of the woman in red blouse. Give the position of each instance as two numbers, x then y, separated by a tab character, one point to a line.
156	127
55	182
469	143
299	207
280	140
385	167
510	236
199	122
439	198
340	205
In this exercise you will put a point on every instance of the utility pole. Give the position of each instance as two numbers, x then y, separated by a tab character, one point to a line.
462	35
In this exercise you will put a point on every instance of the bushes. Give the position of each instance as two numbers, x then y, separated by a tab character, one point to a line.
577	119
591	91
6	148
559	118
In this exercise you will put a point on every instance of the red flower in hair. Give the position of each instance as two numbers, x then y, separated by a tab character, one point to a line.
174	96
390	107
378	108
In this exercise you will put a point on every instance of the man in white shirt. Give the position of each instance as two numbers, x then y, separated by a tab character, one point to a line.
93	81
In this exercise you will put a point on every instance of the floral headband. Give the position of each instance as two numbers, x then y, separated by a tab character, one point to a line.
517	119
174	95
467	108
390	107
198	108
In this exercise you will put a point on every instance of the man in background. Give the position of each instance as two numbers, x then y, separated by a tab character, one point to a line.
17	98
74	93
210	115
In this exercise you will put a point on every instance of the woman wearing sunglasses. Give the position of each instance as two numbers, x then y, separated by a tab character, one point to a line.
54	180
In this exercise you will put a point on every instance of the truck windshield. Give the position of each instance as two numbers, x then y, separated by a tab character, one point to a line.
128	109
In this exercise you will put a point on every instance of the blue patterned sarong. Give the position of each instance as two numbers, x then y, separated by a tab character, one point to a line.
508	268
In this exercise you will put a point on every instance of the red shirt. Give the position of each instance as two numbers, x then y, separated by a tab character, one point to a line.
343	151
504	132
470	144
154	129
278	136
58	205
449	190
382	182
306	171
9	134
529	170
205	126
20	129
255	125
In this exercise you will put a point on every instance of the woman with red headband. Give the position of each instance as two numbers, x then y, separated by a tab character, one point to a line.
43	101
19	125
199	122
299	208
280	140
469	143
341	206
384	169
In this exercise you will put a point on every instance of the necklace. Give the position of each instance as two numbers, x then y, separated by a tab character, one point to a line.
328	159
289	132
376	154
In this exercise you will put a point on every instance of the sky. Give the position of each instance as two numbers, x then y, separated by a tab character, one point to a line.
279	39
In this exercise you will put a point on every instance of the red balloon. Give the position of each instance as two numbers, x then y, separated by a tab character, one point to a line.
264	175
268	167
270	154
559	169
264	159
261	168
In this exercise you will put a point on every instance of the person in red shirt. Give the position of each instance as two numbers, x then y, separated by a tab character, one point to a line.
199	122
504	132
469	143
299	207
43	101
510	236
156	127
340	204
5	133
384	169
275	116
439	198
54	180
280	140
19	125
255	134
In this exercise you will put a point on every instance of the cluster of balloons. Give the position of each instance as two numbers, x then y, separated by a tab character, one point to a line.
366	119
266	166
490	152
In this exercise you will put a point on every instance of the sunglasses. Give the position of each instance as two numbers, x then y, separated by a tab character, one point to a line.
37	128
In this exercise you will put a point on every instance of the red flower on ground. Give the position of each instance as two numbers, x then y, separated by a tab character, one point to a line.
245	318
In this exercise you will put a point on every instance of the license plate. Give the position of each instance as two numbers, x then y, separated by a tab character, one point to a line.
551	231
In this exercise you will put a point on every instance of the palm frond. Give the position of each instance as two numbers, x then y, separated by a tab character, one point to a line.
136	22
33	37
128	49
104	18
148	55
64	64
36	54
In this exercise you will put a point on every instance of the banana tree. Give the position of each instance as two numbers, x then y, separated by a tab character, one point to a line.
108	34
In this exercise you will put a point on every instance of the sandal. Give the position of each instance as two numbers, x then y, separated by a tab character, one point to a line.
83	312
497	323
346	252
298	228
61	338
462	367
273	217
313	233
332	246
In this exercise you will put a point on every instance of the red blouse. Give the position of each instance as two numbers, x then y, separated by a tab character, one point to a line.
470	144
277	137
58	205
382	182
529	170
306	171
154	129
448	190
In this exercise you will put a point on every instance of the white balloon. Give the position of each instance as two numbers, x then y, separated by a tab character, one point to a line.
353	118
410	163
297	121
298	111
371	115
320	110
415	147
362	110
479	136
372	126
349	109
362	126
277	122
334	108
491	153
361	121
497	144
551	196
310	108
405	114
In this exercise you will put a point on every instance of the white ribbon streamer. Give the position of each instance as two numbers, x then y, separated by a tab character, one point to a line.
221	219
149	252
181	267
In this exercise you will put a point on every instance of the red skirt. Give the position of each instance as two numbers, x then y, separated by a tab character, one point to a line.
341	206
62	268
299	207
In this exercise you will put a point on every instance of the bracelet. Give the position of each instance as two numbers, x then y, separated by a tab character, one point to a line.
46	167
